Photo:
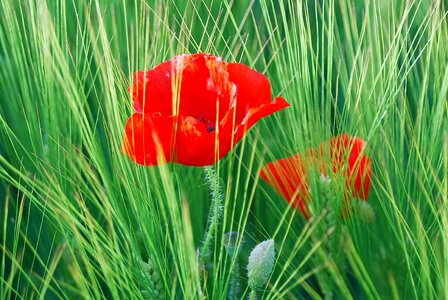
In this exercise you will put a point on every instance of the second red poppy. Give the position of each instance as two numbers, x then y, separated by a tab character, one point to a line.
343	155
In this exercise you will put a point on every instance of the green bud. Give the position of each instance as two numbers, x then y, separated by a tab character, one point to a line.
261	263
155	277
146	294
159	286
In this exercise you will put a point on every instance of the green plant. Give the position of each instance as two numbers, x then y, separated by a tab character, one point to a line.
77	213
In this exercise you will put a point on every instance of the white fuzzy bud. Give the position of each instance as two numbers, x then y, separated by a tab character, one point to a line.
261	263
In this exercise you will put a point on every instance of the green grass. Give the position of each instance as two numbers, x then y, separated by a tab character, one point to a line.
79	218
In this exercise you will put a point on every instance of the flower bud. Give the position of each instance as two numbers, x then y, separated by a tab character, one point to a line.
261	263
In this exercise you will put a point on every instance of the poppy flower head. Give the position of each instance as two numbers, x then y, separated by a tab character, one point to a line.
193	109
342	156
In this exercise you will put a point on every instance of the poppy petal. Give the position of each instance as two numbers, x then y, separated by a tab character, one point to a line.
288	177
347	157
253	115
206	91
194	144
252	89
360	169
152	90
148	138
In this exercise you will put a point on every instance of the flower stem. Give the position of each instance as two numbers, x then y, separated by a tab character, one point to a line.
252	295
215	209
234	288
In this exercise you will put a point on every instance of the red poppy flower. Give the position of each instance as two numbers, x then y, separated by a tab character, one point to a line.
194	109
289	175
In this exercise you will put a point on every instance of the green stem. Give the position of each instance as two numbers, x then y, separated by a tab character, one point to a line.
215	209
234	287
252	295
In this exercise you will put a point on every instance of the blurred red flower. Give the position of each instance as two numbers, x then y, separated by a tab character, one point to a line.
289	176
194	109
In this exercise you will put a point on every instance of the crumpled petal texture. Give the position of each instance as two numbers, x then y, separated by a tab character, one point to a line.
193	109
289	176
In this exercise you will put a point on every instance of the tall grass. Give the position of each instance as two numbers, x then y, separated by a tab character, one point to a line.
80	220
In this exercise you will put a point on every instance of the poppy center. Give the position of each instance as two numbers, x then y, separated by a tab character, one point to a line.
208	124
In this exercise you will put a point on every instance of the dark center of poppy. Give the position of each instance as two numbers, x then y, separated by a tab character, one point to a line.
208	124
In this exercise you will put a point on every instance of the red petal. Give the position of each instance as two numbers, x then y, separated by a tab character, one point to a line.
148	138
206	90
288	177
152	90
194	145
339	150
253	115
360	169
252	89
345	149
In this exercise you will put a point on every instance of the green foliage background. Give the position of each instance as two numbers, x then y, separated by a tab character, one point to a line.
78	218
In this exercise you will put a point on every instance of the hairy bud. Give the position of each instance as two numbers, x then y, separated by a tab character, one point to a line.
261	263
